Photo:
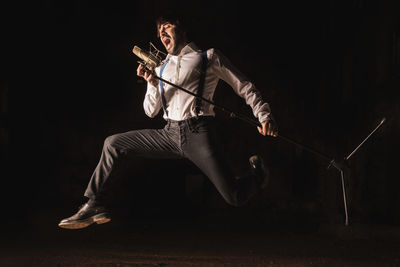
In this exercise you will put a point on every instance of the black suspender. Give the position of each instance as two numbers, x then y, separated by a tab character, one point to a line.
200	89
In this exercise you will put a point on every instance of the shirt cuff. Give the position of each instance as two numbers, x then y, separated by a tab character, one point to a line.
263	117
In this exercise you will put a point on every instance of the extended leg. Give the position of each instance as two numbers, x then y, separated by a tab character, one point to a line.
145	143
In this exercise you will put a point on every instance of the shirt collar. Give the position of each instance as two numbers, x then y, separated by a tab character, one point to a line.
190	47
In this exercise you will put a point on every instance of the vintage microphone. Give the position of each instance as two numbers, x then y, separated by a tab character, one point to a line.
152	60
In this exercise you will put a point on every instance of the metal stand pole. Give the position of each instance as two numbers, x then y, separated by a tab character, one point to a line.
373	131
346	212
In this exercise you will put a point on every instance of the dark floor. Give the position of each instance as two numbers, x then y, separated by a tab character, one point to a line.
211	240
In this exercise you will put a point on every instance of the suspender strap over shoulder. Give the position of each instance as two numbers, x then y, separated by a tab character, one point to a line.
200	89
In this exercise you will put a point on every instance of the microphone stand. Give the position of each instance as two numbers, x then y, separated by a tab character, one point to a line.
245	119
342	167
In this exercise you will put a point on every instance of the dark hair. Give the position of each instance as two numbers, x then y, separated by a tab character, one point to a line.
175	19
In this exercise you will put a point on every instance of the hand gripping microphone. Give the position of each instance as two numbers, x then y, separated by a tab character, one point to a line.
149	59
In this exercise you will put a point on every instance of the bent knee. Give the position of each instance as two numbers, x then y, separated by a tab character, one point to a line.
111	140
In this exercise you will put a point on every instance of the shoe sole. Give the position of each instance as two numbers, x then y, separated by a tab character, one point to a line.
99	219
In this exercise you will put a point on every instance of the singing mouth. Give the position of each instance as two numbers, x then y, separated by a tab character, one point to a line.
166	39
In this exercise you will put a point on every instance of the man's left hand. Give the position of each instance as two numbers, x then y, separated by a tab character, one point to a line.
268	128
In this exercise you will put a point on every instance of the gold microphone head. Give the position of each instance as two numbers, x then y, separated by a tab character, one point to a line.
149	59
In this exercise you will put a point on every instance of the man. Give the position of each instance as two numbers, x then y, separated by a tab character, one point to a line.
190	129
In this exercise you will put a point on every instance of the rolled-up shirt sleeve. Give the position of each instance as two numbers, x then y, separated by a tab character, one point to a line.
224	69
152	101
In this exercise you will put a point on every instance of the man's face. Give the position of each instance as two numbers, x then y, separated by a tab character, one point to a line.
170	38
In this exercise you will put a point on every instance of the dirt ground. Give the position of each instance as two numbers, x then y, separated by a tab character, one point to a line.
198	241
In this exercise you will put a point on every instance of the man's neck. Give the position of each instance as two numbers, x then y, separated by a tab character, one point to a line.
180	47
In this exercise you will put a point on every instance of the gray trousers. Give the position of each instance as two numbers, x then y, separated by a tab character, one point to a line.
193	139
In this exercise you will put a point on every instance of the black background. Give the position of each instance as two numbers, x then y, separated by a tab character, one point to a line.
329	70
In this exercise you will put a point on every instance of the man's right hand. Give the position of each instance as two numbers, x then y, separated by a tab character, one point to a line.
147	74
268	128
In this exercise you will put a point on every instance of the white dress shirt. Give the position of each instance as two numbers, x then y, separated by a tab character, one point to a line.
184	71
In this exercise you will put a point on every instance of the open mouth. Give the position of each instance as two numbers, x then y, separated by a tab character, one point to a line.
166	40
